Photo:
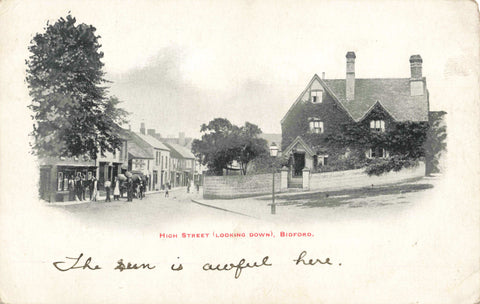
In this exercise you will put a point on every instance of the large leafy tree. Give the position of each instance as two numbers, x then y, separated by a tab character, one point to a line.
72	113
222	143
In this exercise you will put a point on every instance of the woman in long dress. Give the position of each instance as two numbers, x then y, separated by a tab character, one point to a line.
116	190
95	188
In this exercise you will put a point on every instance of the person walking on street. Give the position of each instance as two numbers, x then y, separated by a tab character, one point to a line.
94	186
116	189
140	189
78	188
198	187
84	186
71	188
129	190
90	188
108	184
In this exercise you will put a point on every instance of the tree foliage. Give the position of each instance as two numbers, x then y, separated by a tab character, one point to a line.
435	142
72	113
404	142
222	143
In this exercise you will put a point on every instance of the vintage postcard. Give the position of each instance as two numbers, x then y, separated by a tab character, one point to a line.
239	152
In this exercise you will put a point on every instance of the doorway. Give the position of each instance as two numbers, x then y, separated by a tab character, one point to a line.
298	163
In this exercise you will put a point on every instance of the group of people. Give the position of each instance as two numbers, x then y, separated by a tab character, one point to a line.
79	185
133	189
80	188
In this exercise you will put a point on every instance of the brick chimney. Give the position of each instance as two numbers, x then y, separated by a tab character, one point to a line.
416	79
350	80
142	128
181	138
151	132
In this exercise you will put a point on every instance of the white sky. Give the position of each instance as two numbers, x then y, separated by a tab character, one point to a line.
177	64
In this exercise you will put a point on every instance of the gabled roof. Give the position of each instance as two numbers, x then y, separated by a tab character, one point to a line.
152	141
392	93
299	98
137	147
299	141
177	151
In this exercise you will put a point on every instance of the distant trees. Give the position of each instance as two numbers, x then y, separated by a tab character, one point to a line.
222	143
71	111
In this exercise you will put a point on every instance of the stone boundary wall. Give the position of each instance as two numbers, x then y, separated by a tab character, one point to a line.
357	178
237	186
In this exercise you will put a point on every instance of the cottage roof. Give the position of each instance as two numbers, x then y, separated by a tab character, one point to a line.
177	151
392	93
152	141
137	147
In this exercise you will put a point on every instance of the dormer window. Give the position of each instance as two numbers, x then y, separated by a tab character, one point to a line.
316	96
377	125
316	126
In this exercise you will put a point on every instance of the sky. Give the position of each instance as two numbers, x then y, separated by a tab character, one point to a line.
178	64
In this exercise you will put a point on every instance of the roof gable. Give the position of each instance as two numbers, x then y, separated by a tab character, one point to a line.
392	93
137	147
299	142
315	84
152	141
178	151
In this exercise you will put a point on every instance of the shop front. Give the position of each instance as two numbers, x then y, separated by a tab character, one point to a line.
58	175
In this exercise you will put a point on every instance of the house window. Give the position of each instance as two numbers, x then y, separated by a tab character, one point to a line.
377	125
377	153
316	126
316	96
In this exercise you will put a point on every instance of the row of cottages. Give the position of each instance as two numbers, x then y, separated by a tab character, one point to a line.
326	104
163	165
184	147
182	165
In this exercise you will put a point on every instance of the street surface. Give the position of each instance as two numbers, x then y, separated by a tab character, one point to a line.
157	211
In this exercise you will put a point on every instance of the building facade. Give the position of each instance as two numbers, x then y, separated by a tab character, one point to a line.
158	170
182	165
325	105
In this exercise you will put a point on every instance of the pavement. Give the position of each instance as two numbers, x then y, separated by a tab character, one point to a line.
260	207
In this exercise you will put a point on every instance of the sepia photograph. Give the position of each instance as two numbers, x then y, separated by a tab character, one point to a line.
239	151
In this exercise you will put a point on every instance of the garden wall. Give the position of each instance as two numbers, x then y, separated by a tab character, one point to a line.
357	178
236	186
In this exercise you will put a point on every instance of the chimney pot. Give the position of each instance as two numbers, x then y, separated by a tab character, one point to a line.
416	79
416	66
350	79
351	54
323	75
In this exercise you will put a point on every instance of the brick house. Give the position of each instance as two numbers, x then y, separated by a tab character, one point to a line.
326	104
